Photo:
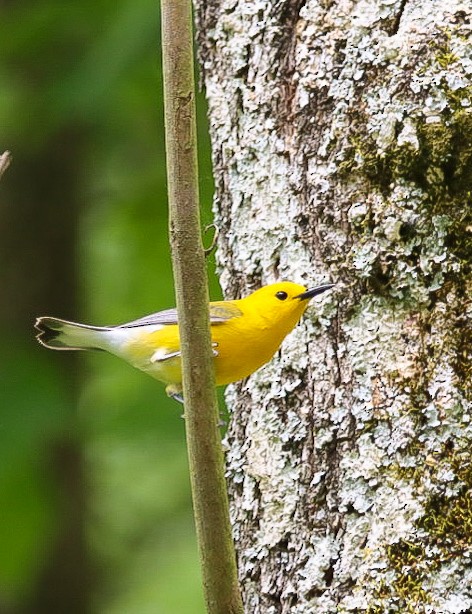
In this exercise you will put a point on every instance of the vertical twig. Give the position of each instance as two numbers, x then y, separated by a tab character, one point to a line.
201	412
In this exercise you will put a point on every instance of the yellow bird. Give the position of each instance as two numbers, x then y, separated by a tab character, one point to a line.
245	333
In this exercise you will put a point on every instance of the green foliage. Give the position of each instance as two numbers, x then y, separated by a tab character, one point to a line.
91	72
37	404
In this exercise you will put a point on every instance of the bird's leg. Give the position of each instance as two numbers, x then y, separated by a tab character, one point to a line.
177	396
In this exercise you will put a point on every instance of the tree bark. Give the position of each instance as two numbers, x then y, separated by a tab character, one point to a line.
341	136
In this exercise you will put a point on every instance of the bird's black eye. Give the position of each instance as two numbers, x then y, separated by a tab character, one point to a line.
281	295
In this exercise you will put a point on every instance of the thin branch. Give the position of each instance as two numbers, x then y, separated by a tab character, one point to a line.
5	161
216	231
201	411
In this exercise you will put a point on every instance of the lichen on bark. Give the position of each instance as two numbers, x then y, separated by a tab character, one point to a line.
342	150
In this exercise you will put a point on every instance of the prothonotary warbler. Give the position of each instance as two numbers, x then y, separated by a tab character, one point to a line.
245	333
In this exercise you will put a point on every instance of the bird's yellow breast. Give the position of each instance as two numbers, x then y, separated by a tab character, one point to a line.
243	347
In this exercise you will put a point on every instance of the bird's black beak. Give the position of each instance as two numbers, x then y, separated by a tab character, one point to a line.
304	296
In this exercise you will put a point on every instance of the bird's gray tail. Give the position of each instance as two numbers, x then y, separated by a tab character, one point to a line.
63	335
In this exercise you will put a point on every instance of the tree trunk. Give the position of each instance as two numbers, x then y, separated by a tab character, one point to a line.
342	136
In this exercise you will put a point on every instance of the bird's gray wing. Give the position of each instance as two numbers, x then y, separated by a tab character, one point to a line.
168	316
219	312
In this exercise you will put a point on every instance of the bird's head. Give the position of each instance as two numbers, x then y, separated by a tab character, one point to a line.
282	303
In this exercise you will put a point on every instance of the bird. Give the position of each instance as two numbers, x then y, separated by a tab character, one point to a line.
245	334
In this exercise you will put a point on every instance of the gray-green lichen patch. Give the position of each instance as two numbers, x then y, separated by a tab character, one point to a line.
420	164
443	537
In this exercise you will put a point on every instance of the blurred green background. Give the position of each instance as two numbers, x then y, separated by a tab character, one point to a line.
95	508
